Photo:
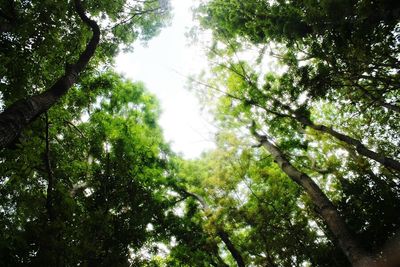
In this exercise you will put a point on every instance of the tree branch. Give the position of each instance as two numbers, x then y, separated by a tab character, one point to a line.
350	247
20	114
50	175
220	231
74	127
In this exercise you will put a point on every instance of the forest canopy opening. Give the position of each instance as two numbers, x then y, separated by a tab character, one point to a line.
305	169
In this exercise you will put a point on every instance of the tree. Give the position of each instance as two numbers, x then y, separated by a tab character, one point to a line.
84	192
281	105
253	103
220	231
306	166
15	117
345	49
257	205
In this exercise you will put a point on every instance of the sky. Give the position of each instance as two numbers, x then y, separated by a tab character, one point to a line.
163	65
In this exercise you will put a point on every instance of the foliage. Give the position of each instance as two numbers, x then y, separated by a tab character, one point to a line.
93	183
110	180
335	58
43	37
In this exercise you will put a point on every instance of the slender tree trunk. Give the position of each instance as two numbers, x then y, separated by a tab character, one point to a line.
221	233
219	262
20	114
231	247
360	148
48	253
350	247
50	176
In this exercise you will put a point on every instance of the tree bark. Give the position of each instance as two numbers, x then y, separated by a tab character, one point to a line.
231	247
9	17
220	232
50	175
21	113
359	147
357	256
5	27
390	255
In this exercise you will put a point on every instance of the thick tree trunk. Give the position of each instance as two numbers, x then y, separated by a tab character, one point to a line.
8	17
360	148
221	232
353	251
16	117
5	27
390	255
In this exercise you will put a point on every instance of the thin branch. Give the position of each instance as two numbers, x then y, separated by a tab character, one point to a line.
74	127
50	175
244	100
134	15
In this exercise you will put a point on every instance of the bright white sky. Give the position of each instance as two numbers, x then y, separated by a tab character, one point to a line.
162	66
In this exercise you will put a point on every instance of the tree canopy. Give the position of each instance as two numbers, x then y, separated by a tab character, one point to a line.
306	165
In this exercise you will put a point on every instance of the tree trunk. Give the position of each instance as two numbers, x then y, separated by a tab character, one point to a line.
390	256
231	247
50	175
360	148
20	114
350	247
221	232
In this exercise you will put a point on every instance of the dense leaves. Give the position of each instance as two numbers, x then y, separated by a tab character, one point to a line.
109	177
327	113
305	172
42	37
